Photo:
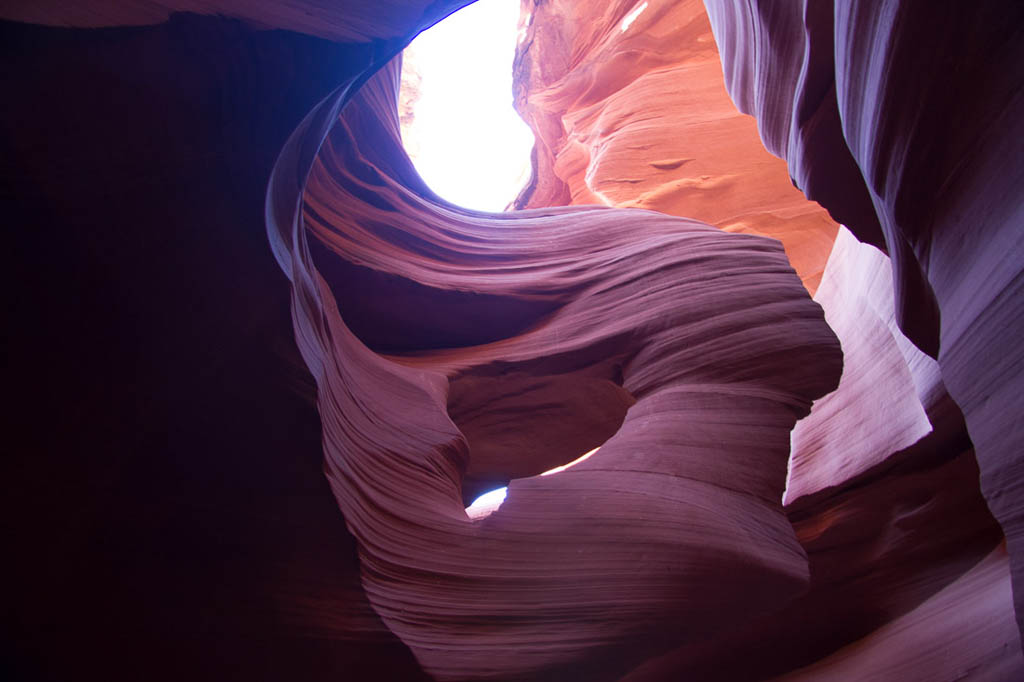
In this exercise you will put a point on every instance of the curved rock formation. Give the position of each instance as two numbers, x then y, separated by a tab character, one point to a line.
165	510
924	104
890	395
703	346
951	635
168	514
627	102
351	21
611	87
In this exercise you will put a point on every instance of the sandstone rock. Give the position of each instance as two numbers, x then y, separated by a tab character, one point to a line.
167	509
925	104
638	117
639	302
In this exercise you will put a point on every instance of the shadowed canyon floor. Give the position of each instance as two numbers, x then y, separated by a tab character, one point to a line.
260	369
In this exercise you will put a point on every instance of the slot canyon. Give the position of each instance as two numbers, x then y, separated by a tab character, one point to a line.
768	264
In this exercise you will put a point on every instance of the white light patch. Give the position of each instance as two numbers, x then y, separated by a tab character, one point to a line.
573	463
524	27
628	20
486	504
458	123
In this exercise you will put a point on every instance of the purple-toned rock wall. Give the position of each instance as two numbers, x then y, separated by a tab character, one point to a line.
241	458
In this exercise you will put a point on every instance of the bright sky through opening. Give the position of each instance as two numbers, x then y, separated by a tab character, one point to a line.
464	137
488	503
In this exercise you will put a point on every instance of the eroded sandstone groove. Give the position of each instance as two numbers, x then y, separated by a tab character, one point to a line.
179	400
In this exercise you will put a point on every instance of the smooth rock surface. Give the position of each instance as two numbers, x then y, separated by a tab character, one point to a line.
638	117
951	636
879	407
925	102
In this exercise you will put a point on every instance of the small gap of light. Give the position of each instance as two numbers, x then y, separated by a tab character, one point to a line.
573	463
488	503
631	17
458	123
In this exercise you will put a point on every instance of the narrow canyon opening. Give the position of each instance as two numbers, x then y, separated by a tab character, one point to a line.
263	366
488	503
455	106
524	422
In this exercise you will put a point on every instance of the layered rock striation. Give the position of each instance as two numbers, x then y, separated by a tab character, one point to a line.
905	121
180	400
629	109
700	348
580	71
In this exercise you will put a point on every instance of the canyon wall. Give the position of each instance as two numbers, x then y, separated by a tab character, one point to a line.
926	102
180	401
595	83
629	109
165	511
692	349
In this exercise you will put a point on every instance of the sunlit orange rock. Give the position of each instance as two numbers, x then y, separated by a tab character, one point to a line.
891	409
629	108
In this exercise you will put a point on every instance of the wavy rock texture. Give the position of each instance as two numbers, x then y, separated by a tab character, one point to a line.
351	21
640	118
700	385
165	509
871	479
168	516
955	625
882	403
925	103
580	78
